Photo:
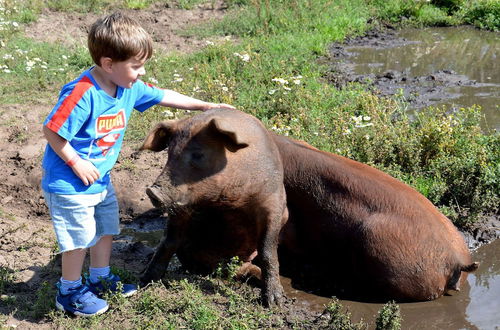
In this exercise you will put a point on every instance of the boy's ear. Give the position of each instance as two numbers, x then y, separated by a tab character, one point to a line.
159	137
106	64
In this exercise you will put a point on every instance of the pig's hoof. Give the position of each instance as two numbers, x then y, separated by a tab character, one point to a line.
144	281
273	297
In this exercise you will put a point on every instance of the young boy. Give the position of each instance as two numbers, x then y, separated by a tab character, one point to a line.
85	133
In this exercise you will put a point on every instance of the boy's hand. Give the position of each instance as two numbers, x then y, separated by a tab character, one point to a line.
218	106
86	171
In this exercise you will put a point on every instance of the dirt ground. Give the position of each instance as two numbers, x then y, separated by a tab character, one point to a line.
27	241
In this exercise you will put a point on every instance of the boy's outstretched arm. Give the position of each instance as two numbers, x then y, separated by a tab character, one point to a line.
179	101
84	169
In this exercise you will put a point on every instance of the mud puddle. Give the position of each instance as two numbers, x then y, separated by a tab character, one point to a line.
477	306
454	67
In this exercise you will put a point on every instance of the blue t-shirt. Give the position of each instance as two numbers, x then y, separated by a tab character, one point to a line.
93	123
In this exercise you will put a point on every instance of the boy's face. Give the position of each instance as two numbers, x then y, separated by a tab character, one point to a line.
126	73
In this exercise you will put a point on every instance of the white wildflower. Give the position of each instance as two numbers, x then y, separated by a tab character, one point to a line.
280	81
361	121
360	125
168	113
244	57
272	91
153	80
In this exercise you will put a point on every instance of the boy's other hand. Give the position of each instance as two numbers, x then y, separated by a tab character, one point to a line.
86	171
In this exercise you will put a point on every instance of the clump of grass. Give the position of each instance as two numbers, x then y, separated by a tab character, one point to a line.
389	317
334	317
228	270
484	14
7	276
44	302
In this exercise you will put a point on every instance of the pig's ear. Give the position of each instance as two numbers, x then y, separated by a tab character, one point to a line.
224	127
159	137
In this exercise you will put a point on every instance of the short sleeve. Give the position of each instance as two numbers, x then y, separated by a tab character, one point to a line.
147	95
71	111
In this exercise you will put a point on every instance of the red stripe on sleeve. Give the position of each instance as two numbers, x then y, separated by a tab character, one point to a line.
149	85
69	104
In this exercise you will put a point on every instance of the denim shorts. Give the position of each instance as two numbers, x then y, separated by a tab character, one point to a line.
81	220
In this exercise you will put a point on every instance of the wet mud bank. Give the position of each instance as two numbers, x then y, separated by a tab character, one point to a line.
456	67
419	91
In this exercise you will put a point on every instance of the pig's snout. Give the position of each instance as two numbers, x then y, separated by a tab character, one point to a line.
154	196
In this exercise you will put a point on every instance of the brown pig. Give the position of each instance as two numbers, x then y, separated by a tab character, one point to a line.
360	233
352	231
223	170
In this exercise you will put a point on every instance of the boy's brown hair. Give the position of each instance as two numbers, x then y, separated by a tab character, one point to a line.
120	38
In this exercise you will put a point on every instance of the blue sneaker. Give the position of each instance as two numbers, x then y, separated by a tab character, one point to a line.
110	283
80	301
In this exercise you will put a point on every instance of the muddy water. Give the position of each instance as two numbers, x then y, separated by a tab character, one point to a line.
467	56
477	306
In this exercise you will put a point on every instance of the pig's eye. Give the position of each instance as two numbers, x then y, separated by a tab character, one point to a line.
196	159
196	156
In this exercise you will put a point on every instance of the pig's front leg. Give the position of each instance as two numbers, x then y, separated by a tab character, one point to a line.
272	291
157	266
